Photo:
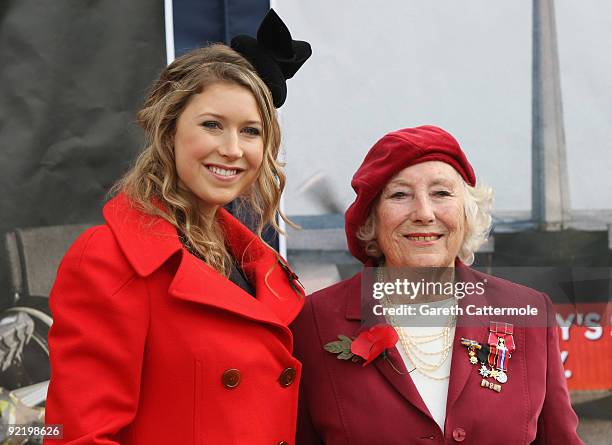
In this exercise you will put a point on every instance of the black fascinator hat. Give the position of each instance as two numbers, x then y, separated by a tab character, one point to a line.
274	54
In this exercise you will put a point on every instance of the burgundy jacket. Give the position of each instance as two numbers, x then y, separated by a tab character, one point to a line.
343	403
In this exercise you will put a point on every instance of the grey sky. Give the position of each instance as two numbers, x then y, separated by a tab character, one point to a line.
462	65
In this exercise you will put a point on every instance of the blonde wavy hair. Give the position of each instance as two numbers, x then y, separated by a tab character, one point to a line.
477	202
153	179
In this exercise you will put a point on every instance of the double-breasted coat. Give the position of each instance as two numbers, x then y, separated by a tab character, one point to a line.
343	403
151	346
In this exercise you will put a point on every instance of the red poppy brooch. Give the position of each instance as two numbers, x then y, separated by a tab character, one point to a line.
368	345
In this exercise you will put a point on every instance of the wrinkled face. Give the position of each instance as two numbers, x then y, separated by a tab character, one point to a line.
218	144
420	217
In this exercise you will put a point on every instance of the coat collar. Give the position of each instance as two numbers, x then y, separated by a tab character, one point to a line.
474	328
149	241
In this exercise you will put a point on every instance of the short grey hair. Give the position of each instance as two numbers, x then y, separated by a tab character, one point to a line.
477	206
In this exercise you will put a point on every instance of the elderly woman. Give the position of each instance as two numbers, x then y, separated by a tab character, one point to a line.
475	378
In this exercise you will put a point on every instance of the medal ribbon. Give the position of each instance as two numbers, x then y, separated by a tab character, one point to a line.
502	355
503	330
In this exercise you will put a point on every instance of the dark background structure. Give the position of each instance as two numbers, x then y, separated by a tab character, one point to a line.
74	75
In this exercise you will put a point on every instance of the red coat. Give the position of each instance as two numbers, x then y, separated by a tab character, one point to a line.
344	403
151	346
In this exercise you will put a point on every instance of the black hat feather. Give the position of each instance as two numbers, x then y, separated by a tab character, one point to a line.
274	54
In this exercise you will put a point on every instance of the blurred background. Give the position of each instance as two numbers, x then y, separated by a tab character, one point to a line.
523	86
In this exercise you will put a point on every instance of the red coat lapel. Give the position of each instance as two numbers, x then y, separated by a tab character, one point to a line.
275	284
148	242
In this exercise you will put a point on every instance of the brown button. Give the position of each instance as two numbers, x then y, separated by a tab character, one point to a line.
282	442
459	434
287	376
231	378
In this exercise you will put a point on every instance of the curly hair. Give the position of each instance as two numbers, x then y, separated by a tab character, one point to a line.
153	179
477	204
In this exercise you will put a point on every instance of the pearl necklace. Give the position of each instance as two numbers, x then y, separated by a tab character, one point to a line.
411	343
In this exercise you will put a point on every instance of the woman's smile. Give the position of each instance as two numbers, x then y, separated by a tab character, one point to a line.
423	239
222	173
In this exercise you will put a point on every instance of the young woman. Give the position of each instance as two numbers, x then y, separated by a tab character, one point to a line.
170	320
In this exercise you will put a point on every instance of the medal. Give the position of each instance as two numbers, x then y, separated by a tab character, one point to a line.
472	346
493	386
473	359
479	353
501	345
493	356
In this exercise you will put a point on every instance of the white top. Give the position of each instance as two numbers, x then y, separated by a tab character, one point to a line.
433	391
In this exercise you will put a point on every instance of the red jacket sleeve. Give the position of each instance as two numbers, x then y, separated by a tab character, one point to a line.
101	317
557	421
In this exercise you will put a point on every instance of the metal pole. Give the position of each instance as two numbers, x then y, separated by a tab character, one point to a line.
550	185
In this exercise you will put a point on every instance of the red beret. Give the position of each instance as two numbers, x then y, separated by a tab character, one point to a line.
392	153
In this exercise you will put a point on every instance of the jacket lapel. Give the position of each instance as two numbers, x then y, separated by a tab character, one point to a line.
461	368
276	286
402	383
473	327
197	282
149	241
